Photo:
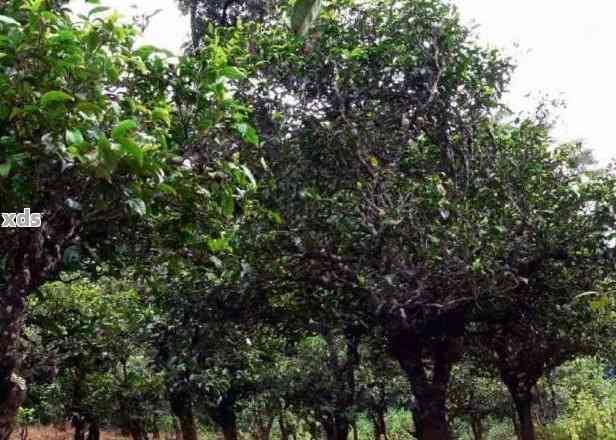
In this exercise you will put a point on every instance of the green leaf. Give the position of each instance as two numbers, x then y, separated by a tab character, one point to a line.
55	96
168	189
217	245
132	149
123	129
162	114
216	261
249	134
233	72
88	107
74	137
5	169
97	10
228	204
33	5
275	217
305	12
137	206
9	21
249	174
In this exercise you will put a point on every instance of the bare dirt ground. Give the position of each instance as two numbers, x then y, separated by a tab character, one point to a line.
53	433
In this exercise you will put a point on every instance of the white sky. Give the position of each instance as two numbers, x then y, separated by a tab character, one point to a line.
565	49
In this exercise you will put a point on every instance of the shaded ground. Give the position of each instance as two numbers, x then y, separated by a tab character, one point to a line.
53	433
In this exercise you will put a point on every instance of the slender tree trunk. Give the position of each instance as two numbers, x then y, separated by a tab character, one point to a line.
416	424
181	406
197	24
284	429
343	427
380	426
542	410
553	399
516	425
79	424
477	427
177	430
329	427
355	433
80	419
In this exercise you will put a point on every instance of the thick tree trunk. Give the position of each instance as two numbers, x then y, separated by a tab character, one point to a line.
430	393
229	432
520	386
94	430
225	417
181	406
336	427
523	406
12	388
31	259
13	393
137	429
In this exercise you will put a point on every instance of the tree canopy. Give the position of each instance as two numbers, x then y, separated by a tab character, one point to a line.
319	221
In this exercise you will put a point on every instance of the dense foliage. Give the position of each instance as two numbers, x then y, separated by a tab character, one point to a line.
319	221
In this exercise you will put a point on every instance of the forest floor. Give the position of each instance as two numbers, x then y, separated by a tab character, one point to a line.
53	433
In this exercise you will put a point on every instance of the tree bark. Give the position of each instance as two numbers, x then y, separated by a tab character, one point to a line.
523	406
229	432
137	429
94	430
430	393
329	427
197	24
520	387
31	259
477	427
225	417
181	406
12	388
380	426
264	424
79	424
336	427
284	429
516	425
416	424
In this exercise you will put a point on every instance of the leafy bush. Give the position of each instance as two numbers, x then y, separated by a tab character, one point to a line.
590	411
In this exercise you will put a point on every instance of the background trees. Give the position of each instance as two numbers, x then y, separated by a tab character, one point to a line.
295	233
